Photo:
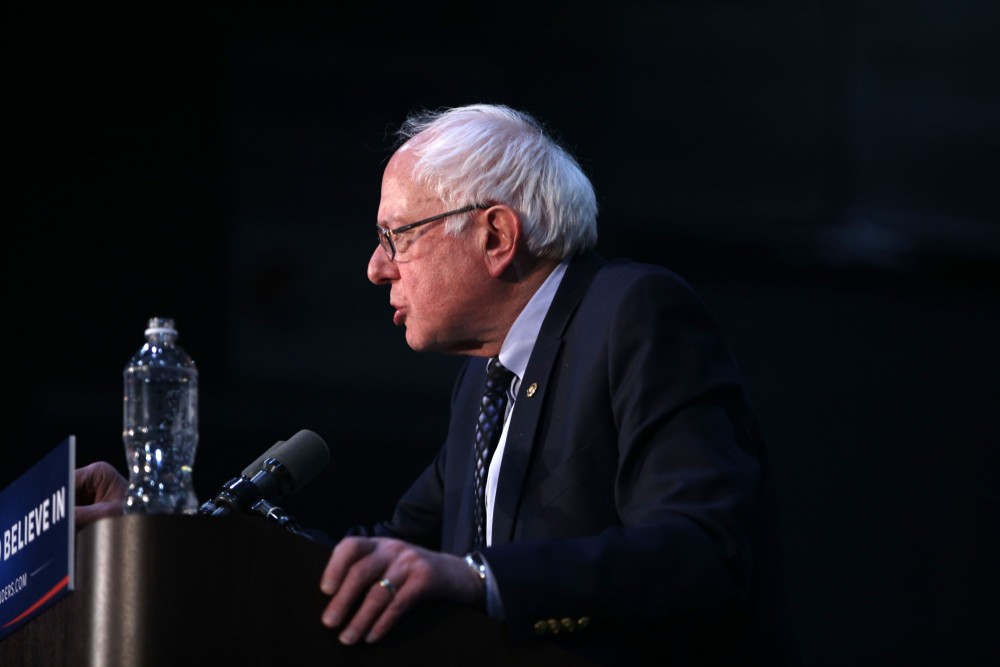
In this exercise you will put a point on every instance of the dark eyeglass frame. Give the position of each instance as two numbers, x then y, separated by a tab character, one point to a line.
386	235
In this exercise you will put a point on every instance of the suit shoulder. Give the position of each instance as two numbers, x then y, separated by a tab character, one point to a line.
622	276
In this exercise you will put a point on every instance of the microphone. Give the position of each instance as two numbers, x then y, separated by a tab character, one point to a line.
286	467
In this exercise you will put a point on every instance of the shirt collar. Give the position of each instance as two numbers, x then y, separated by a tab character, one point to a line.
517	346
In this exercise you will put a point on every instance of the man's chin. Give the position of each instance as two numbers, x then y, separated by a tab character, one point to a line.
416	342
426	344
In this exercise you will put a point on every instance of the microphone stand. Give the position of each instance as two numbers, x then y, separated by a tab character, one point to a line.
280	517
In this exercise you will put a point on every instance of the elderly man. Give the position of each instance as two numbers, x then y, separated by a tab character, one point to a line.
625	499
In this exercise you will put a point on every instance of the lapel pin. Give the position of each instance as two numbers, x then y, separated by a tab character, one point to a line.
532	389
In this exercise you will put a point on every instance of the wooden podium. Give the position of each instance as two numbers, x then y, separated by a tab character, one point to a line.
236	590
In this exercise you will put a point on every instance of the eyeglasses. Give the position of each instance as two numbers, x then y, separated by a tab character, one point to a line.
386	236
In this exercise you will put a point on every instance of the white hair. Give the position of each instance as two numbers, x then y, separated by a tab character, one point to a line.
492	154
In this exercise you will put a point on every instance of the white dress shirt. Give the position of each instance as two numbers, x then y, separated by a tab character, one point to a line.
514	355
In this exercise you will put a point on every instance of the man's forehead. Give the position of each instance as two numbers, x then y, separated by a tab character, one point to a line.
402	197
399	169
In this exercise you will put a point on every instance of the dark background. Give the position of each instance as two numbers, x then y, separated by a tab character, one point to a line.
824	173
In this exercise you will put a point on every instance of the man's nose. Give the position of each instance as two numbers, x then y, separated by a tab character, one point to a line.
381	269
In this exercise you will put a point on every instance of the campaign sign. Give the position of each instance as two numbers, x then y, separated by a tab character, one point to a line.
36	517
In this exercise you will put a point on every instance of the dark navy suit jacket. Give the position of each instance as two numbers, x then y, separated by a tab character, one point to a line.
632	518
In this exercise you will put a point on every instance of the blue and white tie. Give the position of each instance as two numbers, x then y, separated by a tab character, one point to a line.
491	415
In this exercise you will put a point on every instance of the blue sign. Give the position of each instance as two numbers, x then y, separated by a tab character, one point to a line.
36	558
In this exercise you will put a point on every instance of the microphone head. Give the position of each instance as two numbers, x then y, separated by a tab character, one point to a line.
304	455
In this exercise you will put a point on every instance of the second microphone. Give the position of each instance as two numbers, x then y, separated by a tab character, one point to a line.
282	470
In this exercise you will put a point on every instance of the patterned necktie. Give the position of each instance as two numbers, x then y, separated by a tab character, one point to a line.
491	416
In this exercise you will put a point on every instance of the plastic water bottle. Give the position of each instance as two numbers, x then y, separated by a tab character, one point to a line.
160	408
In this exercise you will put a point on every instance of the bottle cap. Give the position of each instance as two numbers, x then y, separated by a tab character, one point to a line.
161	325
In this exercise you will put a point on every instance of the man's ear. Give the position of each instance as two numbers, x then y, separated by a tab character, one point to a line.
503	235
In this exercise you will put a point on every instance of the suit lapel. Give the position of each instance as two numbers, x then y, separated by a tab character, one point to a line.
531	396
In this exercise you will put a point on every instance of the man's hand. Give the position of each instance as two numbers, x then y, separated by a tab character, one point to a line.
382	578
100	492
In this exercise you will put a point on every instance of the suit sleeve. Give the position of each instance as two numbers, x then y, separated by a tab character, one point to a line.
420	514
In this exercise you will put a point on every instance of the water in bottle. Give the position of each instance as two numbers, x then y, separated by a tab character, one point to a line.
160	431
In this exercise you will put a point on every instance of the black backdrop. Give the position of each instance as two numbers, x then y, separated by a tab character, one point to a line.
824	173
